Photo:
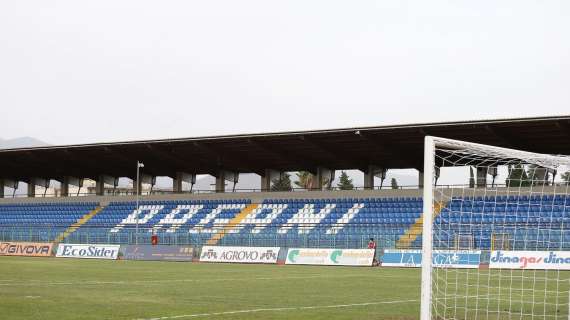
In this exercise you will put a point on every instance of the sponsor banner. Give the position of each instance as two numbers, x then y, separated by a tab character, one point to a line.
148	252
464	259
239	254
88	251
402	258
330	257
542	260
28	249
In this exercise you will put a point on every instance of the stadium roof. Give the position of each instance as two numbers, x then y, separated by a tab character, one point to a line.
394	146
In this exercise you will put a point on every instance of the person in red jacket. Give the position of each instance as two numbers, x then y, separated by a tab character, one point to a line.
372	245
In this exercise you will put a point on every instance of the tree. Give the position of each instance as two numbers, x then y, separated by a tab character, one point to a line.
304	180
517	177
394	183
283	183
566	178
345	182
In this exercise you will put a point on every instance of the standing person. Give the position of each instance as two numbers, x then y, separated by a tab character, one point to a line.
372	245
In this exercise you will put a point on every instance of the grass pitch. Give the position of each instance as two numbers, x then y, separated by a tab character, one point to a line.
51	288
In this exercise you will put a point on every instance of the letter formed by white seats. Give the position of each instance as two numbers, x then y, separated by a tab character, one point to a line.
175	220
212	217
151	211
345	219
261	223
306	218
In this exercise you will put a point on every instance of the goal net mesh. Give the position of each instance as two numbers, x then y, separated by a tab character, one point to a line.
516	215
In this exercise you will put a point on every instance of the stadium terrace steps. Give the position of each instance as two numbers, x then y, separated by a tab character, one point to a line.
78	224
416	229
232	224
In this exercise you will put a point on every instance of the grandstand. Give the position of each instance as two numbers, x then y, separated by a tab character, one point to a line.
318	222
284	226
342	222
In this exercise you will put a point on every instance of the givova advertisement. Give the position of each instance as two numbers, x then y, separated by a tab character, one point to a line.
88	251
462	259
239	254
330	257
538	260
27	249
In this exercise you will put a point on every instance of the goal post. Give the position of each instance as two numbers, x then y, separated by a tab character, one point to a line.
517	234
427	242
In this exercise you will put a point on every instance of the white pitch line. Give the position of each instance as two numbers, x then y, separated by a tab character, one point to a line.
196	315
30	283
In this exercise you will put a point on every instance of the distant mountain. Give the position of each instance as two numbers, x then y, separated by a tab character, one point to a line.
22	142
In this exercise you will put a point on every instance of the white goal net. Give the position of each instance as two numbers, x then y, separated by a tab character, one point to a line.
499	248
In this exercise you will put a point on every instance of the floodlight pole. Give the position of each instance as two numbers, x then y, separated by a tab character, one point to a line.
137	191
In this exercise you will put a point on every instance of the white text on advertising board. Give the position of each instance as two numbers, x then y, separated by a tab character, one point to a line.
464	259
330	257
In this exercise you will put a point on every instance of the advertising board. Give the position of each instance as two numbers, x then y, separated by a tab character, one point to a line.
534	260
88	251
164	253
330	257
239	254
464	259
27	249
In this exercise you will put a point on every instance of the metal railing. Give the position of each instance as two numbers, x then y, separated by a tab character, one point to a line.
384	238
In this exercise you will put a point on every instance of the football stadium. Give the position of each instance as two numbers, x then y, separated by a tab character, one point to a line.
495	247
258	159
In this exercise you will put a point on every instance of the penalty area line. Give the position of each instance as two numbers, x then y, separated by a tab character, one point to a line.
278	309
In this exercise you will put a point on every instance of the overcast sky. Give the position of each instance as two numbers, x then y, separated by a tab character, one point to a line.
93	71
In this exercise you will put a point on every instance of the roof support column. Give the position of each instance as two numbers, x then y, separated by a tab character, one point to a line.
177	181
539	176
33	182
105	179
371	172
1	188
31	188
146	179
323	178
100	186
420	179
67	181
12	184
481	177
267	178
65	186
224	176
221	182
369	178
